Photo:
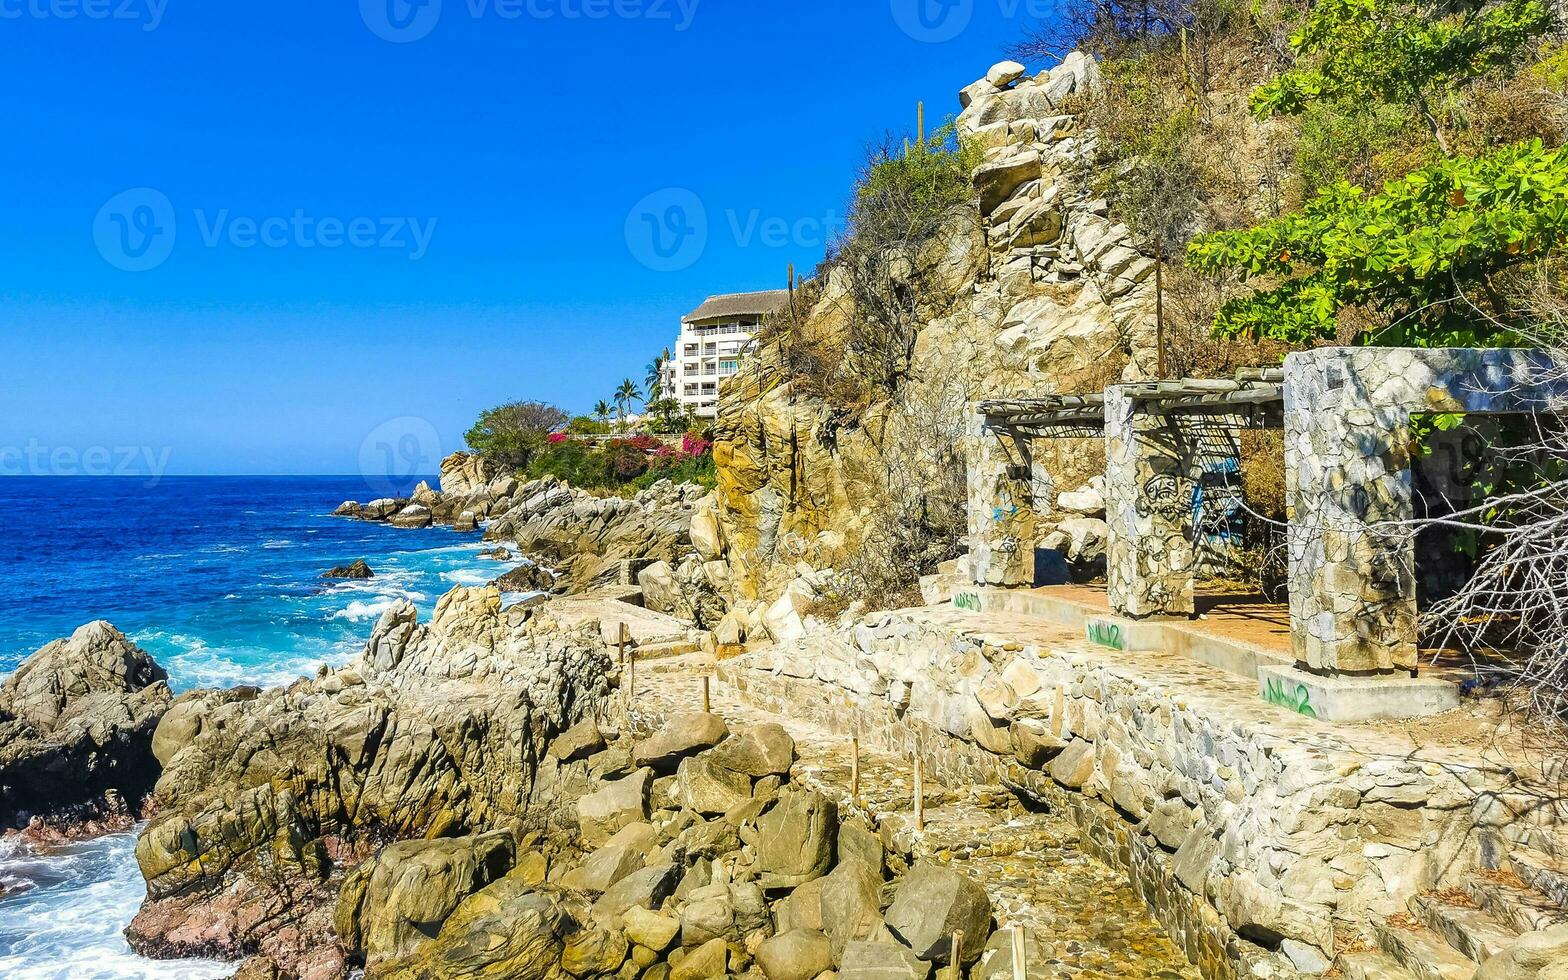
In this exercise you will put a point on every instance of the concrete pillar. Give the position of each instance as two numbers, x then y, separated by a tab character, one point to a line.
1003	518
1148	495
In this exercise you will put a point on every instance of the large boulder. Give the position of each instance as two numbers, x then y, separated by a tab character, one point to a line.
932	903
618	804
1536	956
682	735
76	721
703	786
800	954
506	930
357	571
762	750
391	905
796	838
882	961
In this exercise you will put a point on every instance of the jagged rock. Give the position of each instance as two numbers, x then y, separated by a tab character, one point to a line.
593	951
504	932
348	508
578	742
1075	766
857	843
1004	74
358	571
998	180
703	786
706	535
801	954
933	902
391	905
682	735
618	804
703	963
708	915
414	516
881	961
651	929
526	578
1085	502
431	732
1531	957
641	889
661	590
606	866
77	720
797	838
762	750
851	904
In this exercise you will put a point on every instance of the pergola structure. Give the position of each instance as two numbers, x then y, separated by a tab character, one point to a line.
1347	415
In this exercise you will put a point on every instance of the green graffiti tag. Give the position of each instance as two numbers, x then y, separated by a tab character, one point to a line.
1275	692
968	601
1103	634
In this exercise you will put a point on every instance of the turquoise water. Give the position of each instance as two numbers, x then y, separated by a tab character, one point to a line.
217	578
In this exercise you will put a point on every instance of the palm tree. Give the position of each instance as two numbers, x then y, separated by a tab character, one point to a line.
625	395
655	379
602	411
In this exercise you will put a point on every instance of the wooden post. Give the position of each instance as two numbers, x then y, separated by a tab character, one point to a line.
707	698
629	680
854	769
1020	958
953	961
920	798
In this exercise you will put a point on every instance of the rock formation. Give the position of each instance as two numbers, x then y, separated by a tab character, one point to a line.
358	571
1052	296
435	731
76	723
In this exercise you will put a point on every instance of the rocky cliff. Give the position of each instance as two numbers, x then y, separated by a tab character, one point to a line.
76	725
1052	296
268	798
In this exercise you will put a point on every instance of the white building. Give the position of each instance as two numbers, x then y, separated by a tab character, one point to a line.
713	338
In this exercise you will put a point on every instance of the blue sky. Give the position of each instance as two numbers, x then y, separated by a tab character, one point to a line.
350	226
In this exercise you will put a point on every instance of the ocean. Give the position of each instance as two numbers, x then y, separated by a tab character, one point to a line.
220	580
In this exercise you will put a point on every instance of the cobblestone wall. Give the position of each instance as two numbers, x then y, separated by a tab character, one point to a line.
1247	833
1003	515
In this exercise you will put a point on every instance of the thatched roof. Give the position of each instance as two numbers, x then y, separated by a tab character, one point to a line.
738	304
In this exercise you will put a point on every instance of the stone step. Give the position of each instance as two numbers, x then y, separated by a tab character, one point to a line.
1542	873
1471	931
1372	965
1423	952
1515	905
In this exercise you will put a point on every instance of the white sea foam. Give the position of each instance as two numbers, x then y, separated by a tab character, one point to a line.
277	545
68	925
359	612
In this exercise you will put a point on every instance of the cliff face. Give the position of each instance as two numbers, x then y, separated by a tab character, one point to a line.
1052	296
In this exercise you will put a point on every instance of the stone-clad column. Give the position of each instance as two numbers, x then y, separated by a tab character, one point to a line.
1003	519
1347	468
1148	496
1348	476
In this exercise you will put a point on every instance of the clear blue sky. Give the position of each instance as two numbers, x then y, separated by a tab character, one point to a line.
496	159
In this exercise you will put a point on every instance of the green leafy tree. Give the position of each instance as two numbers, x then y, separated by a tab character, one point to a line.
1426	251
511	434
602	411
1356	52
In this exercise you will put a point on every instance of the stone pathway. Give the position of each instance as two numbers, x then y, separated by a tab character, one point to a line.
1082	919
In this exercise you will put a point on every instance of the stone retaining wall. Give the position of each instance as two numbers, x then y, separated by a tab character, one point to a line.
1258	839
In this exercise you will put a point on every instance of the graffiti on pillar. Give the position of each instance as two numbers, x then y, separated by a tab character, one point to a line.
967	601
1278	693
1105	634
1008	545
1001	514
1166	496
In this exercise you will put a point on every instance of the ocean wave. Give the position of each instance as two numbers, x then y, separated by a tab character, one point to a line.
277	545
468	578
359	612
